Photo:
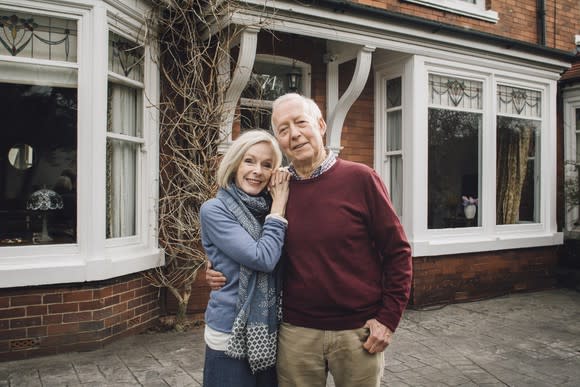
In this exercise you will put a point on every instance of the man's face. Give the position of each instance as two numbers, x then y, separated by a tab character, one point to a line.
299	136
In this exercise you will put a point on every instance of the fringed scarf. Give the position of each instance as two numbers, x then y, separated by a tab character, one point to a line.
254	333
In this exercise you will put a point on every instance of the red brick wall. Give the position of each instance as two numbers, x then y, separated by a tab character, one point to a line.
46	320
517	19
467	277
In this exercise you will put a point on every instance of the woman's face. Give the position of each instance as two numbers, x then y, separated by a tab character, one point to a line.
255	168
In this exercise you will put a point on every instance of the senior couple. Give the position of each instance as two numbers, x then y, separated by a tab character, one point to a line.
323	236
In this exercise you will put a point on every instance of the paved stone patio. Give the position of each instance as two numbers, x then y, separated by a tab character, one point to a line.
530	339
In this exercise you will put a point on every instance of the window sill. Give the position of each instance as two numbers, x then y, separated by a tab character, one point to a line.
477	243
36	270
469	10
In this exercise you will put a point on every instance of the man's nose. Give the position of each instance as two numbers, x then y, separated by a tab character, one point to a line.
294	131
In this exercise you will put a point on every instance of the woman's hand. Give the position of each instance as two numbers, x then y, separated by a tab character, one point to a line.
279	189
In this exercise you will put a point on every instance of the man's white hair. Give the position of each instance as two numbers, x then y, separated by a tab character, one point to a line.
311	109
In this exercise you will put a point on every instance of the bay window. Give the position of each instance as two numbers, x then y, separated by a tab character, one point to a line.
483	164
78	149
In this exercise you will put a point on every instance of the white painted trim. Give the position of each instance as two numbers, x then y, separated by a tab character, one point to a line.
385	71
322	23
477	243
356	86
239	80
476	11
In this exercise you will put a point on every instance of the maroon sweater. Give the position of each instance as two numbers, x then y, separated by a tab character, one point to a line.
347	258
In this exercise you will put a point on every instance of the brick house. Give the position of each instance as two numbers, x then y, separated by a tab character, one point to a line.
446	99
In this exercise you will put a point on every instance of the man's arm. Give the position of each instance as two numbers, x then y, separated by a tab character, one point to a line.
395	250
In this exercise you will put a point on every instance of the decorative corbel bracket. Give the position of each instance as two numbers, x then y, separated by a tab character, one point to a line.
338	108
239	80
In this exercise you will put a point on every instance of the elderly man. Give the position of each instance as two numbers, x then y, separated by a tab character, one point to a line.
347	262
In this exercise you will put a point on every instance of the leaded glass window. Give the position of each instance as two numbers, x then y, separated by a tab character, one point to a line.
518	157
124	135
38	37
454	154
125	58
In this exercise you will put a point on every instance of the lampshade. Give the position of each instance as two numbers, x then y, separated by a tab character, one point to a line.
44	199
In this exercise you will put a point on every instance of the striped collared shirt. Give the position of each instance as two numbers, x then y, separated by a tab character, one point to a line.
325	166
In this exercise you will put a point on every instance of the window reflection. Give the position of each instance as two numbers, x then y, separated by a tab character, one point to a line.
39	153
21	156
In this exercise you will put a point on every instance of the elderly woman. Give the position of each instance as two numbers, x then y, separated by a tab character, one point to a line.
243	231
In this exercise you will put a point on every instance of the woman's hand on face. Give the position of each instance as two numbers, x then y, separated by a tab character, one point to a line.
279	187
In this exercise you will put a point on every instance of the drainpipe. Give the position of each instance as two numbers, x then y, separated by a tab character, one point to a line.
541	21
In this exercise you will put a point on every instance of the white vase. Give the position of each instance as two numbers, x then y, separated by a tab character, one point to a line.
470	211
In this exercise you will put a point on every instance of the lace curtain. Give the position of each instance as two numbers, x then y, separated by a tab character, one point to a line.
121	162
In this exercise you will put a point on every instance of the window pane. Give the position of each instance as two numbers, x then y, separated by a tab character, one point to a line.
268	81
38	169
454	158
393	92
121	188
125	110
396	182
458	93
38	37
125	57
394	131
124	117
516	101
517	170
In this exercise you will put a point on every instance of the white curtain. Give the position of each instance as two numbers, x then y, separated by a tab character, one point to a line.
122	162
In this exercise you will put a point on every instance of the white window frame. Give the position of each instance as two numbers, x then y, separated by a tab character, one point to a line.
382	156
571	97
461	7
488	236
93	257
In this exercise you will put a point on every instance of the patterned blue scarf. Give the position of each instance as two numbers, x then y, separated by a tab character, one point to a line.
255	329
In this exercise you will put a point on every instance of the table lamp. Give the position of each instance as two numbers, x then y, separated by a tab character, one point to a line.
44	200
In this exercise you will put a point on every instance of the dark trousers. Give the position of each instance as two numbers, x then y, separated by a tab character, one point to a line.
221	370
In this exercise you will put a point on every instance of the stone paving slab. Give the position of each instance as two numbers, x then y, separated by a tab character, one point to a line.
530	339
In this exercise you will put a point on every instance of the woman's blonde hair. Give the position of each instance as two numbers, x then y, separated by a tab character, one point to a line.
233	156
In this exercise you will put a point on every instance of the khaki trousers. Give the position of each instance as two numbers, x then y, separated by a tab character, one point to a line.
305	356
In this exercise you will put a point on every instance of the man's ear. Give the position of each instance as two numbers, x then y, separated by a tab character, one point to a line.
322	126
